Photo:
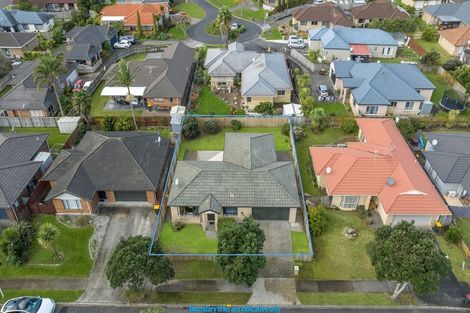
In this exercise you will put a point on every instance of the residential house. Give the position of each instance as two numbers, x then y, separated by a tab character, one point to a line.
380	89
319	16
84	45
13	45
20	171
264	77
379	173
455	40
376	10
25	21
419	5
345	43
108	167
52	6
127	13
245	179
448	15
161	80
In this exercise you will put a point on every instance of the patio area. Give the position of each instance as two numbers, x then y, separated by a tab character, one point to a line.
233	98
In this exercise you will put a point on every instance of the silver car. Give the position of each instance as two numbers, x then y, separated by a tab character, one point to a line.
322	90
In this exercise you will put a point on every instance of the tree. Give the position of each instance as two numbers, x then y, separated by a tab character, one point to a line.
407	128
131	265
430	33
5	65
119	25
47	236
236	124
139	26
58	34
318	118
462	74
241	238
15	242
317	220
108	123
265	107
47	73
25	5
451	64
124	123
224	22
349	126
393	25
190	128
408	255
299	132
211	126
125	78
81	104
431	58
154	26
453	235
452	118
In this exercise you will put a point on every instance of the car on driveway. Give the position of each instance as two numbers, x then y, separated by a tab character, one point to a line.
322	90
234	26
295	42
129	38
123	44
78	85
29	305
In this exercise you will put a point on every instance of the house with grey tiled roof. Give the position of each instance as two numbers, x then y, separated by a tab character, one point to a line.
25	21
246	179
108	167
447	15
13	45
380	89
20	171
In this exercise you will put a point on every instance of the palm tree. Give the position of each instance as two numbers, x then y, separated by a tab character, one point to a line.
81	104
125	78
47	73
47	235
224	22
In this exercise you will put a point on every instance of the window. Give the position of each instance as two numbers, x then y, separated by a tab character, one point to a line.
230	211
361	20
409	105
281	92
324	24
187	211
372	109
72	204
248	99
349	202
171	99
375	49
51	110
386	51
314	22
303	23
393	104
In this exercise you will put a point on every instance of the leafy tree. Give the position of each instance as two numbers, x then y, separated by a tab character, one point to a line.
190	128
453	235
452	118
47	237
236	124
407	26
241	238
131	265
408	255
349	126
47	73
44	43
224	22
58	36
81	104
154	26
299	133
462	74
201	78
26	5
211	126
451	64
308	103
318	118
119	25
5	65
431	58
125	78
15	242
106	49
139	32
124	123
265	107
407	128
430	33
318	220
107	124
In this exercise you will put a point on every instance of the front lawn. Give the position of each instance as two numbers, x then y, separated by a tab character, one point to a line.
299	242
333	109
136	57
345	298
200	270
457	257
177	32
192	9
216	142
464	225
337	257
433	45
220	3
249	14
56	295
191	239
209	103
273	34
98	102
54	136
223	298
72	243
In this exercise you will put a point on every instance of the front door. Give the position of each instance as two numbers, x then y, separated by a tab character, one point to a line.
211	218
102	195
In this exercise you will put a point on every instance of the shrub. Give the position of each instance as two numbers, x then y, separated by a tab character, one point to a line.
349	126
265	107
124	123
190	128
451	64
211	127
318	220
239	112
431	58
82	128
453	235
362	212
177	226
285	130
430	33
236	124
224	221
407	128
83	220
15	242
318	118
299	133
452	118
108	123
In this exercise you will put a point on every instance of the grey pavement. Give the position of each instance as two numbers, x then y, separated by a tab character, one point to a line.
278	240
72	284
270	291
123	222
345	286
201	286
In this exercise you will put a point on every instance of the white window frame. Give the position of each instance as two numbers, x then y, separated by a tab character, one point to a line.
281	92
180	213
72	204
349	202
407	107
373	108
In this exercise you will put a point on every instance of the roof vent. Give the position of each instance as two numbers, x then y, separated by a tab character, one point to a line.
434	142
176	181
390	181
328	170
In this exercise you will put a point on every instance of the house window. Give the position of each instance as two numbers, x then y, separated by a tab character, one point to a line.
231	211
314	22
393	104
386	51
375	49
324	24
281	92
51	110
248	99
72	204
361	20
303	23
372	109
187	211
349	202
409	105
171	99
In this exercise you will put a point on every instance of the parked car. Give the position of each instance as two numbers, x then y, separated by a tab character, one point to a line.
123	44
295	42
129	38
319	1
87	84
29	305
234	26
322	90
78	85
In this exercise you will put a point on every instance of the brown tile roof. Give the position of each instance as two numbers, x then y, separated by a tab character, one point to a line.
380	9
457	36
326	12
129	11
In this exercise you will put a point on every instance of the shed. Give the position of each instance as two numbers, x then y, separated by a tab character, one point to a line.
176	113
67	124
292	109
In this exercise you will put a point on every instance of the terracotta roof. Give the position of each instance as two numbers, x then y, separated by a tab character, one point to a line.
129	12
457	36
380	9
325	12
360	50
364	168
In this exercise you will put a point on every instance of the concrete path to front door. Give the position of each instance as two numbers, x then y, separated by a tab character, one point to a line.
123	222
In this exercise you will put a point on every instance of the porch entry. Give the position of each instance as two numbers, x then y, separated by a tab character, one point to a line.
210	221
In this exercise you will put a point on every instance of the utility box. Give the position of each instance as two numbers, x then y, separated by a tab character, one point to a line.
296	270
67	124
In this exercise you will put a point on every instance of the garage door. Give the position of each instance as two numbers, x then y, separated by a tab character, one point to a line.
140	196
271	213
420	221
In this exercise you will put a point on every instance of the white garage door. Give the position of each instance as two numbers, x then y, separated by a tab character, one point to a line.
420	221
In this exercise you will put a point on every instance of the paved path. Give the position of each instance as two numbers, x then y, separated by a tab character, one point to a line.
273	291
71	284
197	32
201	286
345	286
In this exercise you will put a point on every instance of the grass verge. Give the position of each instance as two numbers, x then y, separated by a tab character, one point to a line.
273	34
56	295
299	242
192	9
345	298
222	298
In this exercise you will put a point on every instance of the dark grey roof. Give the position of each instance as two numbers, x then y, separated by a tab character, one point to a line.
86	41
15	40
210	204
16	165
80	51
250	182
122	161
451	11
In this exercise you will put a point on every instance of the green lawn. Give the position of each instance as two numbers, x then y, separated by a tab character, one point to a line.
216	142
249	14
222	298
209	103
441	86
337	257
273	34
333	109
136	57
220	3
197	270
403	54
5	90
192	9
54	136
299	242
56	295
345	298
433	45
456	256
464	225
177	33
98	102
191	239
72	242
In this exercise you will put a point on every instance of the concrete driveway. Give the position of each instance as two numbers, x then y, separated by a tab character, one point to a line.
123	222
278	241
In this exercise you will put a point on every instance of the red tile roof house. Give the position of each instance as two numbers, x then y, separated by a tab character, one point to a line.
376	10
380	172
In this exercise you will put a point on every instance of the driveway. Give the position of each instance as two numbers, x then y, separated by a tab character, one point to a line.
197	32
123	222
278	241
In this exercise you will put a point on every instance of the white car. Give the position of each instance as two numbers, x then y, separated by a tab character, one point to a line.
234	26
29	305
295	42
123	44
87	84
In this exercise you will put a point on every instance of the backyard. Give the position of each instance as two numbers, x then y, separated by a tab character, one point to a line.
191	239
98	102
54	136
333	109
433	45
209	103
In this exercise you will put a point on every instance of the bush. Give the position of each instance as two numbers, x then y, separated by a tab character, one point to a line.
238	112
318	118
285	130
15	242
431	58
108	123
452	118
82	128
211	127
236	124
190	128
83	220
430	33
124	123
362	212
318	220
407	128
224	221
299	133
453	235
349	126
265	107
451	64
177	226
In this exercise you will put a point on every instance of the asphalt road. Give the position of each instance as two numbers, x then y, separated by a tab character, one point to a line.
4	3
197	32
